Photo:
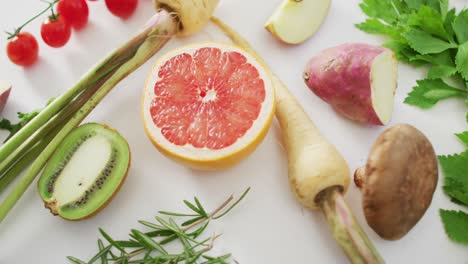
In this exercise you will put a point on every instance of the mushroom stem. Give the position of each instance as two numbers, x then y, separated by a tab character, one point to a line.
359	175
345	228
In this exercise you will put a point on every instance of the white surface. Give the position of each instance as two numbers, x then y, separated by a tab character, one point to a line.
270	226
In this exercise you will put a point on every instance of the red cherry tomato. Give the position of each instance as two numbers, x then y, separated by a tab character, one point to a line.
122	8
23	49
75	12
56	33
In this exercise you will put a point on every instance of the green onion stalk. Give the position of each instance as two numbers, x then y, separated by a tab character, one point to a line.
37	141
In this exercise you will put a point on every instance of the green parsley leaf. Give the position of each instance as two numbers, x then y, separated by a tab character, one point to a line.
443	7
398	48
425	43
456	225
430	21
428	92
460	26
456	179
462	60
448	22
441	71
382	9
463	137
6	124
374	26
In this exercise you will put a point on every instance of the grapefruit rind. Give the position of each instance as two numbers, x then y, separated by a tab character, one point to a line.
204	158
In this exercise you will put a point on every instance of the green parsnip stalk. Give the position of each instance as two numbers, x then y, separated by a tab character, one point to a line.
108	73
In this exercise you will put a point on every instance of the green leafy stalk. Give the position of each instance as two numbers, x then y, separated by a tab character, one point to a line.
108	73
149	247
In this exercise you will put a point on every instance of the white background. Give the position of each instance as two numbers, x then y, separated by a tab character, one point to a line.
270	226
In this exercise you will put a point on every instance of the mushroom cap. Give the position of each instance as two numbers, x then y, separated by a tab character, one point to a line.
400	178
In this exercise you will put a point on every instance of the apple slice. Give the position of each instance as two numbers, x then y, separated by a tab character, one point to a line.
5	89
294	21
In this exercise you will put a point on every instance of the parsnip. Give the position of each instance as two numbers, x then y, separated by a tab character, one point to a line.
317	172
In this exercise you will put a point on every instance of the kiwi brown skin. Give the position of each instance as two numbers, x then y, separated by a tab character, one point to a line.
98	210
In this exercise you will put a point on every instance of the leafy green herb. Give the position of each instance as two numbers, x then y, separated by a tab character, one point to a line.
456	225
424	32
13	128
456	187
148	246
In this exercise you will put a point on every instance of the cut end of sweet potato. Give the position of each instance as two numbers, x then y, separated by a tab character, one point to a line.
5	88
294	21
383	85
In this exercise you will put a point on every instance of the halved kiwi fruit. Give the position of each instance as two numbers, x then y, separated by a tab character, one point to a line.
85	171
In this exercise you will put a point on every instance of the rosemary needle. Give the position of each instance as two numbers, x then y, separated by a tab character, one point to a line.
149	246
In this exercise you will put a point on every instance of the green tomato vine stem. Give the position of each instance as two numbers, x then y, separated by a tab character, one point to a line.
49	7
157	32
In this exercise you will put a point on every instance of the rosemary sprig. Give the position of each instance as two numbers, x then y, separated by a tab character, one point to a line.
149	246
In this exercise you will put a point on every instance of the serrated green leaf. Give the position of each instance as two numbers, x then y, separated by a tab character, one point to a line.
443	7
448	22
456	225
463	137
443	58
381	9
397	47
460	26
428	92
461	60
441	71
430	21
414	4
456	179
374	26
425	43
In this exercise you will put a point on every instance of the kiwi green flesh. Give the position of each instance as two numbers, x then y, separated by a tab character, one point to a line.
84	172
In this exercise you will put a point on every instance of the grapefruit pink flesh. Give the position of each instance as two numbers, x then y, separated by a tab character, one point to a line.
207	99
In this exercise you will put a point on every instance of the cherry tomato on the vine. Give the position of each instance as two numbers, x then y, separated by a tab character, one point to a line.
122	8
75	12
55	31
23	49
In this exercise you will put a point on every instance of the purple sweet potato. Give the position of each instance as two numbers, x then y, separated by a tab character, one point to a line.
357	80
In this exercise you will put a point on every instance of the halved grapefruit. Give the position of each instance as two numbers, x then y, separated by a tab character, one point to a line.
207	105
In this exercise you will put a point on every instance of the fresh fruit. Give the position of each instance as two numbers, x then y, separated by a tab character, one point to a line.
5	89
23	49
85	172
294	21
207	105
75	12
55	31
122	8
357	80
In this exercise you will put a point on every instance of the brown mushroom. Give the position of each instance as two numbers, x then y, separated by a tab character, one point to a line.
398	181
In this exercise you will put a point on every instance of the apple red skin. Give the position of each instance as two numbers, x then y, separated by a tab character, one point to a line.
341	77
3	98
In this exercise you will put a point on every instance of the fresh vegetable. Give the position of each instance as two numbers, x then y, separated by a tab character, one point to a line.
24	118
122	8
55	31
192	14
207	105
85	172
425	33
428	33
318	174
357	80
456	187
68	110
75	12
22	49
401	161
5	90
150	246
295	21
